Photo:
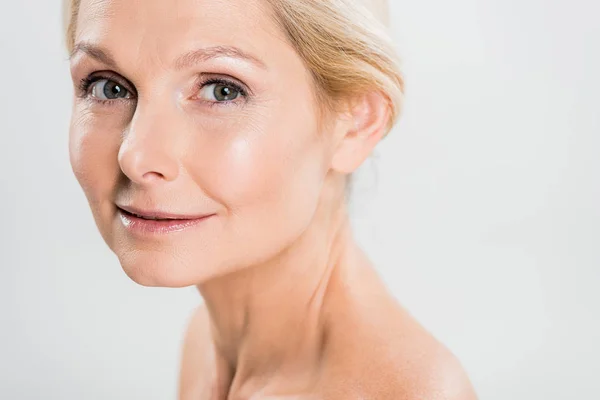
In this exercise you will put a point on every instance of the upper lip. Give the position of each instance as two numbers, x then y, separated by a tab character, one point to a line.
156	214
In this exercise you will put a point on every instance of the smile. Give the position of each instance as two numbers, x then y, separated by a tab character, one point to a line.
156	222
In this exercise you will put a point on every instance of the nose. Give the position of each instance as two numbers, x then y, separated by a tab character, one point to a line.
148	151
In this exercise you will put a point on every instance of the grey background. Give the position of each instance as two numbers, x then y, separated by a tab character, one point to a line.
481	210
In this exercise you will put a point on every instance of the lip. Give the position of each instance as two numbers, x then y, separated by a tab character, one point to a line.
152	222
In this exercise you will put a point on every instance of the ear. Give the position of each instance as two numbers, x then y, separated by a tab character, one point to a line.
364	127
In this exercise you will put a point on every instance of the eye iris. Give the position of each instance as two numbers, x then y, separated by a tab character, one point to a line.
112	90
225	93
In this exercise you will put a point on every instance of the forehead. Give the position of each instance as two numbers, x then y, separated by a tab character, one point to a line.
167	28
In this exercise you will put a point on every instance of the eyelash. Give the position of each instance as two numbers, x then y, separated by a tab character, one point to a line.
88	81
225	82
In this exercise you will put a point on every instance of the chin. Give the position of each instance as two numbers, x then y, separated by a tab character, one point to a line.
158	269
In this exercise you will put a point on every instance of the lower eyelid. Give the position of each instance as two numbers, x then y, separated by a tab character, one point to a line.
221	104
108	103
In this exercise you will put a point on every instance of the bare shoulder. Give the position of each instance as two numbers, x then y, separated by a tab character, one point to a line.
423	368
435	375
381	352
197	357
381	362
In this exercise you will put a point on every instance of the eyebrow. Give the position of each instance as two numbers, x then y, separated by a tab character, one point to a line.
195	56
93	51
184	61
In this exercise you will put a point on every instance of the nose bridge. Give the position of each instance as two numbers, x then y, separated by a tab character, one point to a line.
149	146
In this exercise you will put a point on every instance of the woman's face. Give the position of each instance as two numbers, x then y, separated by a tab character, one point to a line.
199	111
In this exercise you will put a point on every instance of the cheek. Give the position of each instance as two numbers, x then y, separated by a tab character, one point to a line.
269	176
93	149
261	156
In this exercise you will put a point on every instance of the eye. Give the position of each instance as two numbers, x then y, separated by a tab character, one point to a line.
106	89
220	91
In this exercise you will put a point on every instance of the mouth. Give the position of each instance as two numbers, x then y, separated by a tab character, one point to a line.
157	222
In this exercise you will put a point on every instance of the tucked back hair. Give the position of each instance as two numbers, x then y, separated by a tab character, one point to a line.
344	43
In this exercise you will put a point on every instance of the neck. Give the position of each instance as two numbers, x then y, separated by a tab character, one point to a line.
269	320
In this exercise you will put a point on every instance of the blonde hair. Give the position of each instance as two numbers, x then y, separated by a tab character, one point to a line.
344	43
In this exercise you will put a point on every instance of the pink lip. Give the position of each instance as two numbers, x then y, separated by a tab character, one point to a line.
137	221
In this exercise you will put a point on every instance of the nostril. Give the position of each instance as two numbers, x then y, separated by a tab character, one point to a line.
153	175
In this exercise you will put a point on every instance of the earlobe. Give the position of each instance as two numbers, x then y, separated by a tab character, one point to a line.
369	119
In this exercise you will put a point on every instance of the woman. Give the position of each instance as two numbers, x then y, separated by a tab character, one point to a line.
214	141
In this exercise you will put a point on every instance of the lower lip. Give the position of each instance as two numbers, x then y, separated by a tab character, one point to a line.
154	227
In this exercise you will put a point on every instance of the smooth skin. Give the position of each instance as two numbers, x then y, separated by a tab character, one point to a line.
293	308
